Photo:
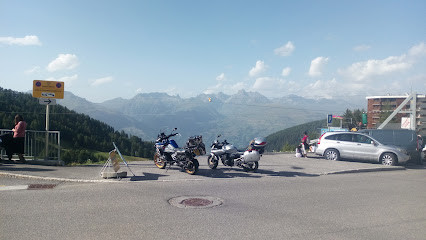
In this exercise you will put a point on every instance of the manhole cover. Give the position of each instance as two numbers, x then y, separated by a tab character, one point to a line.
195	202
40	186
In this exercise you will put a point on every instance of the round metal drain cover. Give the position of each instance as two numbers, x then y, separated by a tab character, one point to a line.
195	202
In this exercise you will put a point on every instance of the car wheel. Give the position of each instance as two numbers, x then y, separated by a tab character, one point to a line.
389	159
332	154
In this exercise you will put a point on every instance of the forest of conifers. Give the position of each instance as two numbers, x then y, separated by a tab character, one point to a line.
81	135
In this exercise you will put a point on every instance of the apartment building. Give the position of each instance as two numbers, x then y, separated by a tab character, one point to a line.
381	106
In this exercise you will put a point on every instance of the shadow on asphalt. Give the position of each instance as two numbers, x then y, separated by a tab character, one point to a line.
147	177
415	166
236	172
227	173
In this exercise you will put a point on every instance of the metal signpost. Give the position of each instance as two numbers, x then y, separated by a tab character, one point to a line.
47	92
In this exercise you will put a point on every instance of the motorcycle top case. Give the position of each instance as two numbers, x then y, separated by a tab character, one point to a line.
259	142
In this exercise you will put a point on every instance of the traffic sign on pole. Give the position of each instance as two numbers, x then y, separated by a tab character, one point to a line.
48	89
47	101
329	118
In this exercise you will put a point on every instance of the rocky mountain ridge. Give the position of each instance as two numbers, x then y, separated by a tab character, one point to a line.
238	117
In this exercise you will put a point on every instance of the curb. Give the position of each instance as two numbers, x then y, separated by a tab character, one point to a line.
382	169
22	176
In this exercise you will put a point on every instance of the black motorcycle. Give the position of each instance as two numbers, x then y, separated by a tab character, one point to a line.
168	152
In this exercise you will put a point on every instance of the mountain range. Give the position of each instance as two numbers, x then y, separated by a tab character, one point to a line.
239	117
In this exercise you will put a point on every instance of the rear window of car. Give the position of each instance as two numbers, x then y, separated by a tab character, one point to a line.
340	137
362	139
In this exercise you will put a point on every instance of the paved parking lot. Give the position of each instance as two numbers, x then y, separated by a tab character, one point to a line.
270	165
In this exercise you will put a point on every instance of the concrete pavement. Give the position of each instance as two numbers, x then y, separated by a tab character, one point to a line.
274	165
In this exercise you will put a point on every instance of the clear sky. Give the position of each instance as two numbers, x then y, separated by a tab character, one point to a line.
119	48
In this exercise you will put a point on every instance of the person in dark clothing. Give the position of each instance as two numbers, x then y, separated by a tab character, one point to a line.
6	142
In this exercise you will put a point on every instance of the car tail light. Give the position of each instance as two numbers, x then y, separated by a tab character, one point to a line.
319	139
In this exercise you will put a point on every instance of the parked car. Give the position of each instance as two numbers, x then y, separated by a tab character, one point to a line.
404	139
358	146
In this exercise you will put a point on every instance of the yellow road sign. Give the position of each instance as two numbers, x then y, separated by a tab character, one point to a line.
48	89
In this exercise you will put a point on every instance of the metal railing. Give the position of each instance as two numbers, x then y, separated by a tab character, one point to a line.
39	145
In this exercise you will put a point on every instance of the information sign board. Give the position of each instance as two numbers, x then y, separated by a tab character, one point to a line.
48	89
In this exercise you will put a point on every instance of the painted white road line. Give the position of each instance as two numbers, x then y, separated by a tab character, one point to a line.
17	187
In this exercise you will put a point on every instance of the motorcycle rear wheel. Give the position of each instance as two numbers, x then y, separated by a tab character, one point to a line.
159	161
192	166
212	161
251	166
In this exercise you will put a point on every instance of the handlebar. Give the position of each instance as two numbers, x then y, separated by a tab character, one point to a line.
163	136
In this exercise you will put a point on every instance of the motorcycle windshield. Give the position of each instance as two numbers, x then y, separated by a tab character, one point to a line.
173	143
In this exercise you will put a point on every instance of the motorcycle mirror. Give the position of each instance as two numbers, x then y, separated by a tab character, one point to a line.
174	129
220	135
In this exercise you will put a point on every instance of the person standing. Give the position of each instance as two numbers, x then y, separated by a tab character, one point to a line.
19	137
305	143
420	148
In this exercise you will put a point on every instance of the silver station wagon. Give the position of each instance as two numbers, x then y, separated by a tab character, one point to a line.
358	146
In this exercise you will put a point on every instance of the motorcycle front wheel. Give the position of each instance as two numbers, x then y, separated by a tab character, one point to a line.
251	166
192	166
159	161
212	161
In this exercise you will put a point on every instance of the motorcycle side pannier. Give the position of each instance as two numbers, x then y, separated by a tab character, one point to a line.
251	156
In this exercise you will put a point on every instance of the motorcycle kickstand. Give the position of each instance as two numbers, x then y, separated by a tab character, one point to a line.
168	167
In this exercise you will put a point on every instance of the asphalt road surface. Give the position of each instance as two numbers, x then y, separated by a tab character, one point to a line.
372	205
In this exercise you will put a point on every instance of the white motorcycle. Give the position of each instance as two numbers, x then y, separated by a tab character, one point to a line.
230	156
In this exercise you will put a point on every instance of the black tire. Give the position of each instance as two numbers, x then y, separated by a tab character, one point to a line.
212	161
388	159
332	154
192	167
251	166
159	161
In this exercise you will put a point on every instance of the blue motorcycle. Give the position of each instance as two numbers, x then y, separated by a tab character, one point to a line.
168	152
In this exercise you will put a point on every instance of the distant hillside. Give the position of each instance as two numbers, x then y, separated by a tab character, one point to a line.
239	117
289	138
79	133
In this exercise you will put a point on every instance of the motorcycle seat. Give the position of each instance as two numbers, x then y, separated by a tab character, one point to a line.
180	151
237	155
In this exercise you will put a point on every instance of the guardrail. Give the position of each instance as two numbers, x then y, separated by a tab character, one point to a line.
39	145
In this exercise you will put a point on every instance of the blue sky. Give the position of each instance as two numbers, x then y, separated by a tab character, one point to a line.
108	49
